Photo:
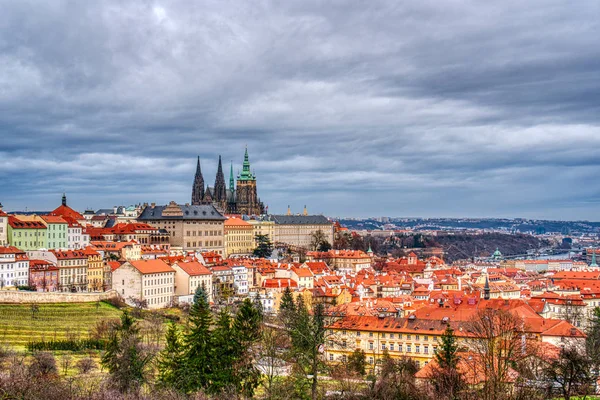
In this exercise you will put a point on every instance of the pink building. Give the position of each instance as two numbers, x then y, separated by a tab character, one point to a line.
43	276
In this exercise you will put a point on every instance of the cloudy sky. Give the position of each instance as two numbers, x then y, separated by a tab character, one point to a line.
364	108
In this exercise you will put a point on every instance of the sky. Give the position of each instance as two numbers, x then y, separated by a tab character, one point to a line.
352	108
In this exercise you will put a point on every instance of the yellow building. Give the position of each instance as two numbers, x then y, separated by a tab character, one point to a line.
239	237
262	227
419	335
95	270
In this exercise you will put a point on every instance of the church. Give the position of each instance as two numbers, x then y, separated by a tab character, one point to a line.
240	198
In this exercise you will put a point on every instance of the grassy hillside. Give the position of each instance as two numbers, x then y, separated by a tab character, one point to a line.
21	323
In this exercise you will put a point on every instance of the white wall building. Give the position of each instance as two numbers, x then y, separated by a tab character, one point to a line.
189	276
14	267
240	280
3	227
76	238
150	280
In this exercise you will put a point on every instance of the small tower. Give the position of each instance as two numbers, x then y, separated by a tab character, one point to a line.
486	288
593	264
305	212
289	211
64	199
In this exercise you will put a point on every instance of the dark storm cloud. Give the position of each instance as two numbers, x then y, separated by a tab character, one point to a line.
353	108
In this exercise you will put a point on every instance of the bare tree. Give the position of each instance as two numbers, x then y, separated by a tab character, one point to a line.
570	372
498	339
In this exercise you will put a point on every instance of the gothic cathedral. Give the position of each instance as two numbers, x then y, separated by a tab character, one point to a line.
242	199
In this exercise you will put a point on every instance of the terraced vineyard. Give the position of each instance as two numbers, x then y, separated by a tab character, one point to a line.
22	323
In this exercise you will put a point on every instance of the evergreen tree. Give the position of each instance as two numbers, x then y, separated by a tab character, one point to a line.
357	361
226	355
197	357
287	308
126	359
247	328
446	355
445	377
264	247
169	362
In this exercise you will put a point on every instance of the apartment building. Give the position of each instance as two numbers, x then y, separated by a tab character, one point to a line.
190	227
191	275
150	280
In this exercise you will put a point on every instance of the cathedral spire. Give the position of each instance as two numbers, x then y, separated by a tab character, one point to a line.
246	174
231	181
64	199
219	191
198	185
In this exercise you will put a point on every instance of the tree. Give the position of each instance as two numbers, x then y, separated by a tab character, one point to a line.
446	380
223	344
324	246
170	359
264	247
307	332
43	365
126	359
287	307
592	341
357	362
570	372
86	365
247	332
497	338
396	380
318	239
272	343
197	359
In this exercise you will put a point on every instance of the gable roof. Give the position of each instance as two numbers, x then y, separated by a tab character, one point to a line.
151	266
193	268
191	212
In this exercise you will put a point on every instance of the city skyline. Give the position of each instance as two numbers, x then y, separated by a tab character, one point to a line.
465	110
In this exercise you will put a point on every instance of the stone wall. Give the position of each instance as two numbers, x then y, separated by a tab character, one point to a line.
18	296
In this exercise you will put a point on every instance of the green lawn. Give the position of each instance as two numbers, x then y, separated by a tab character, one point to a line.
19	324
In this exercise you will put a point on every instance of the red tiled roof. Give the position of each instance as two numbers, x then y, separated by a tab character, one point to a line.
16	223
194	268
66	211
10	250
151	266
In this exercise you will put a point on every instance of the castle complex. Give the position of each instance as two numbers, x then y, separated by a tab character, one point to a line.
235	199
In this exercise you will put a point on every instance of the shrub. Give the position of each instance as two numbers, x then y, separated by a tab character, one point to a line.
67	345
86	365
43	364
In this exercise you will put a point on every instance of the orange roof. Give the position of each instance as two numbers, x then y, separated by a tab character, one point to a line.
66	211
237	222
194	268
151	266
53	219
10	250
16	223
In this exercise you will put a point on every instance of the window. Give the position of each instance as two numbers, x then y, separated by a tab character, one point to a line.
408	348
391	346
370	360
370	345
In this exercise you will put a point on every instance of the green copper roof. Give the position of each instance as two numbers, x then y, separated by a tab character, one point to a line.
593	264
231	183
246	174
